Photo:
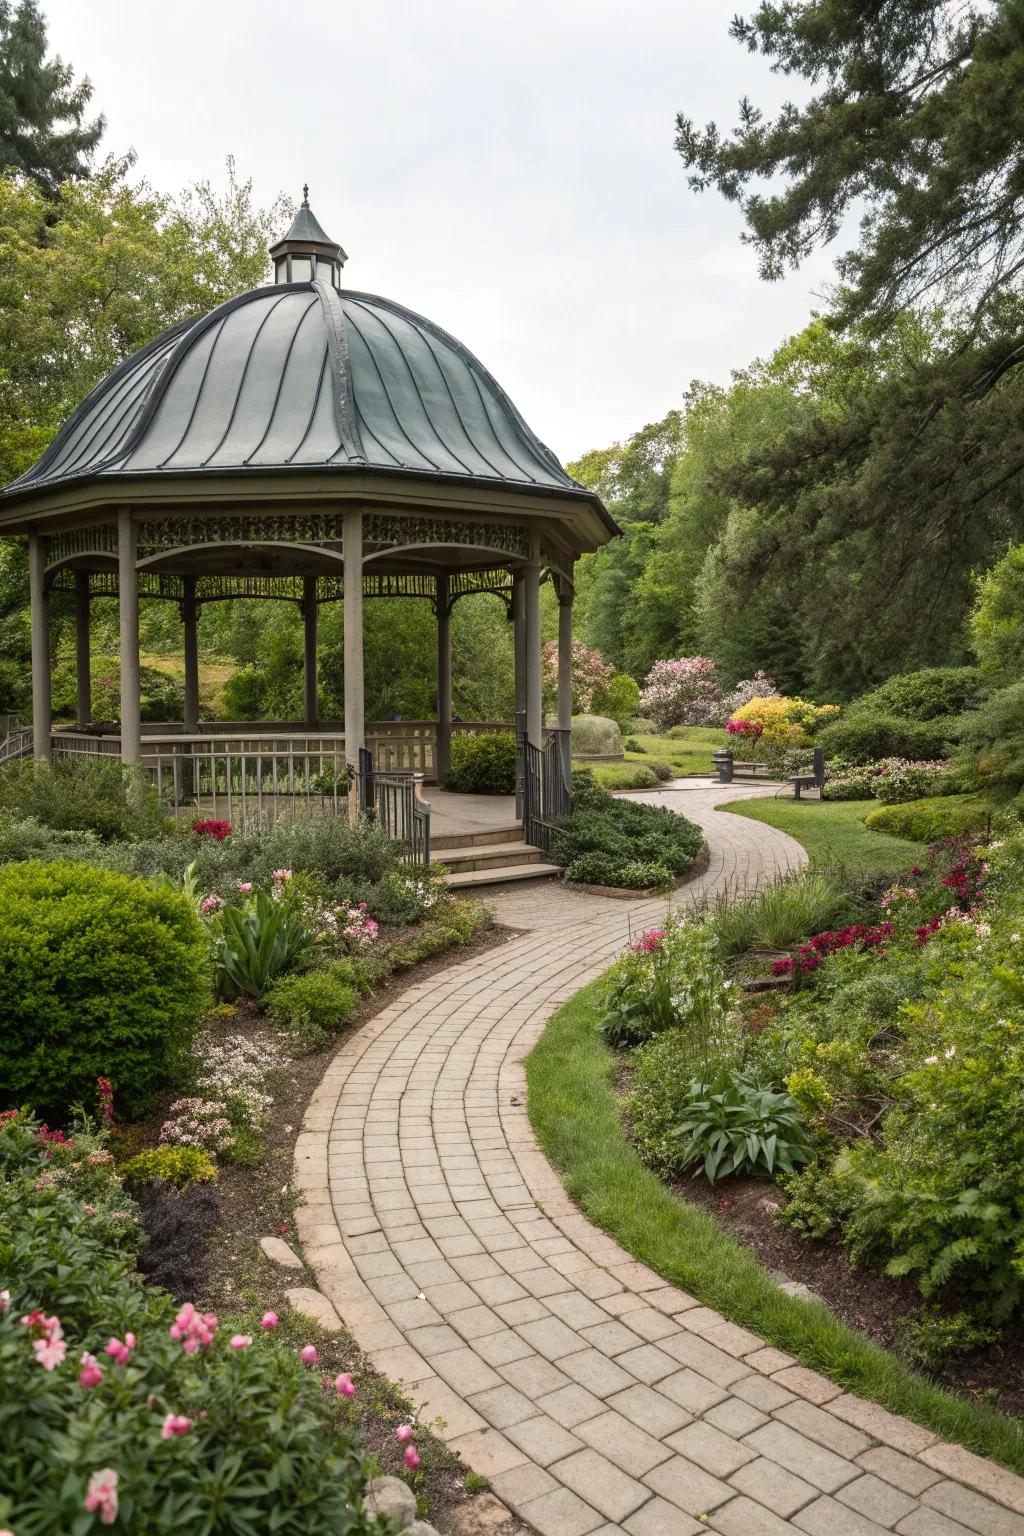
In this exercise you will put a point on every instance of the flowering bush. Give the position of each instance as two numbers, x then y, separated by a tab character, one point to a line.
591	675
810	955
218	830
785	724
120	1405
682	691
198	1122
103	976
760	686
753	728
671	978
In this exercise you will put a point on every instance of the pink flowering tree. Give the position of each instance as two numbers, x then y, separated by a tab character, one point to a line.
682	690
760	686
591	675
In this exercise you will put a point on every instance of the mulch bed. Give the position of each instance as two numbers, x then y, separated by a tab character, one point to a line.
257	1202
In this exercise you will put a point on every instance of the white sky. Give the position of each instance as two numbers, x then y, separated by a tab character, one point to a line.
505	167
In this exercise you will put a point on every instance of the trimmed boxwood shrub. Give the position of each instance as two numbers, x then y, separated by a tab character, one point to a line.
864	736
100	975
606	869
483	764
312	1005
931	821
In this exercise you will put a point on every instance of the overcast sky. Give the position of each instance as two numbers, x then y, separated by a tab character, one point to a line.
505	167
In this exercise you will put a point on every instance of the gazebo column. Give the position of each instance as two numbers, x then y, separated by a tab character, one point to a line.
39	618
83	677
565	596
518	616
190	622
309	621
534	708
128	605
444	678
352	549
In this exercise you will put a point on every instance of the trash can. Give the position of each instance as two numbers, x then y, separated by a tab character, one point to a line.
722	760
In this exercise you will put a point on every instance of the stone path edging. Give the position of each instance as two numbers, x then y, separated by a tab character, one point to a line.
596	1398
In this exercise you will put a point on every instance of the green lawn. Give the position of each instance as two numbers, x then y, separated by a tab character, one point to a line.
833	831
687	754
573	1110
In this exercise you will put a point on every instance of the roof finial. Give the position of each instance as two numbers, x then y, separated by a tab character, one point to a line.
305	194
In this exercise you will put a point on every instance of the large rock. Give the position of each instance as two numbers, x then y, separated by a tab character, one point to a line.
421	1528
596	736
302	1298
278	1250
390	1496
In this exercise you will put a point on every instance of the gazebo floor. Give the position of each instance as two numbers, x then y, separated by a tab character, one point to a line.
480	841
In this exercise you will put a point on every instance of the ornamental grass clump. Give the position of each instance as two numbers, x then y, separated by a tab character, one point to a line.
123	1407
102	976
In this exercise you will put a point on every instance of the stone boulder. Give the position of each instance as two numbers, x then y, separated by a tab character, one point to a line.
596	737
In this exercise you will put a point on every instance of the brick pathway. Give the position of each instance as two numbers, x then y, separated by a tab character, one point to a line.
595	1397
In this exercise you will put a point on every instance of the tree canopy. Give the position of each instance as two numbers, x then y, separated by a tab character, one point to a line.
44	132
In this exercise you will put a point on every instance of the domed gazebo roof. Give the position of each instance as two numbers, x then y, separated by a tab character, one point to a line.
301	376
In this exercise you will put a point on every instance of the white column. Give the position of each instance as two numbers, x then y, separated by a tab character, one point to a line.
83	678
128	604
352	549
565	672
39	617
534	707
309	620
190	621
444	679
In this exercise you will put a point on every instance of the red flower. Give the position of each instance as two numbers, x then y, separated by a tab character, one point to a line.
218	830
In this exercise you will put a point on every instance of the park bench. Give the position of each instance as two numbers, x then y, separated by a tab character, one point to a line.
813	780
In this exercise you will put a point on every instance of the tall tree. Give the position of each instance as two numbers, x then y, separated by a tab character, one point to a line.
44	132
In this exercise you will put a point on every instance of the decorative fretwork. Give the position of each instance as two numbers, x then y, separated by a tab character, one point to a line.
384	531
557	563
214	589
101	540
184	532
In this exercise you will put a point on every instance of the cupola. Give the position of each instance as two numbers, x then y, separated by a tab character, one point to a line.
307	253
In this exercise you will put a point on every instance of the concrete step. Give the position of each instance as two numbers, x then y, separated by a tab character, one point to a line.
511	833
470	879
486	856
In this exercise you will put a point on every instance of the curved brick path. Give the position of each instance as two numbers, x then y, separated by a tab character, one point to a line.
596	1398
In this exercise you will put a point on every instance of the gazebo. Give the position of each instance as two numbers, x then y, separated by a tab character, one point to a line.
307	442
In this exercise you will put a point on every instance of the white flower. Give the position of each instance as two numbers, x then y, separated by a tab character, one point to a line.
930	1061
950	1053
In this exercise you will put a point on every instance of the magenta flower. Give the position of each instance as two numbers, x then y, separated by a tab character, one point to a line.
411	1457
245	886
101	1496
194	1329
308	1354
90	1375
212	903
47	1337
175	1424
268	1320
344	1385
403	1432
5	1301
241	1341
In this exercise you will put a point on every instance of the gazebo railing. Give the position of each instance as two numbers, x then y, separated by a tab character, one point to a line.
396	801
544	786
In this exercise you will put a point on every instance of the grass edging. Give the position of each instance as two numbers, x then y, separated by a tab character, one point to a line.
572	1107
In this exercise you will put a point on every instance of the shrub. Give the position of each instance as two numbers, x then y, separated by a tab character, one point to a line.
484	764
404	895
774	918
591	676
618	699
315	1005
260	1445
735	1124
178	1224
84	793
324	845
992	737
682	690
625	775
931	821
454	924
595	736
103	976
179	1166
662	771
862	736
997	625
850	783
785	724
27	838
629	874
898	780
931	694
663	1074
626	832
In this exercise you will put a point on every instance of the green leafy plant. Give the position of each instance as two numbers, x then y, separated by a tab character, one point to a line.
83	793
254	943
313	1005
671	978
929	694
103	976
482	764
180	1166
862	736
735	1124
932	821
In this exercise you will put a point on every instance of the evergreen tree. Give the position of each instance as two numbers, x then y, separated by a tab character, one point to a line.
44	132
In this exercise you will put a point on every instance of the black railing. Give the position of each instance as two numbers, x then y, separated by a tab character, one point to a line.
542	783
395	801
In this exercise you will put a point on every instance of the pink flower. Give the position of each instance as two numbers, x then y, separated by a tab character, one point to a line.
47	1339
175	1424
213	903
268	1320
102	1495
241	1341
90	1375
5	1301
411	1457
308	1354
344	1385
282	875
403	1432
245	886
194	1329
121	1352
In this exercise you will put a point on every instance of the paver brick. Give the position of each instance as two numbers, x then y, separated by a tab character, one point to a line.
502	1406
561	1513
649	1409
826	1517
543	1440
596	1372
822	1427
623	1443
760	1392
877	1499
735	1417
902	1471
770	1484
606	1487
964	1466
659	1518
808	1384
745	1517
804	1457
973	1510
880	1424
534	1376
708	1447
647	1363
571	1405
550	1337
523	1483
691	1391
689	1487
689	1349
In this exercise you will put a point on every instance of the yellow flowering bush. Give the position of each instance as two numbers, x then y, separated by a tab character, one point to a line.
777	725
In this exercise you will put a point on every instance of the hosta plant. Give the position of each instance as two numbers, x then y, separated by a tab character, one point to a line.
735	1124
